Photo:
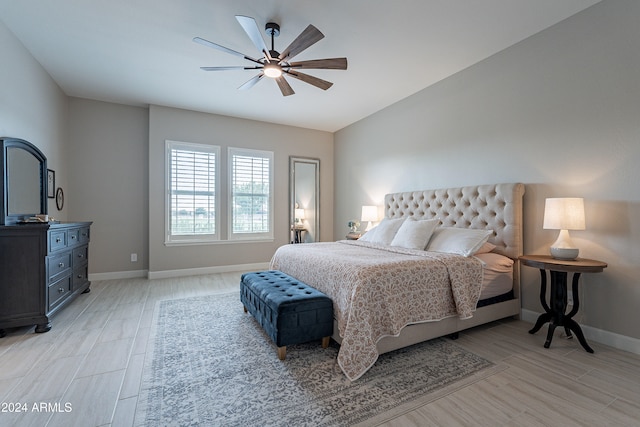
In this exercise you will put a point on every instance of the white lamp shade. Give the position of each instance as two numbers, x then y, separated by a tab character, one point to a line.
369	213
564	214
299	213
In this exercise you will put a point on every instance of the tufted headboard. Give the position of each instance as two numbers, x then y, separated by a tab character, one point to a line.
495	207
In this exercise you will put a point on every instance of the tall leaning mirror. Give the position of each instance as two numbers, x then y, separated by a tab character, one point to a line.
304	197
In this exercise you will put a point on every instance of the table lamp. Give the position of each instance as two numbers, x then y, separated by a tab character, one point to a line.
299	215
564	214
370	214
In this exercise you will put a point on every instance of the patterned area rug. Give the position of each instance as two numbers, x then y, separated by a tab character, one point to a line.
211	365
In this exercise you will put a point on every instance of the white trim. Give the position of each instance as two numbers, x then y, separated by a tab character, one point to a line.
621	342
217	242
113	275
207	270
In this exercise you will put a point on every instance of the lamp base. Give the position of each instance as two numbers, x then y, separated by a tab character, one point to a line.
566	254
563	248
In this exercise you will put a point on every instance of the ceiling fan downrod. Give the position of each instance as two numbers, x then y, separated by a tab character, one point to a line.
273	29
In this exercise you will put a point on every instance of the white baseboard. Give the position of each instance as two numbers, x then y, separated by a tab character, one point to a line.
207	270
114	275
611	339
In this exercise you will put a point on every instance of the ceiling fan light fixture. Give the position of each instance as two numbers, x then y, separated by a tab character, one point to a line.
272	70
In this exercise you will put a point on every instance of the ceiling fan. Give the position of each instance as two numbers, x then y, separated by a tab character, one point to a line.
275	64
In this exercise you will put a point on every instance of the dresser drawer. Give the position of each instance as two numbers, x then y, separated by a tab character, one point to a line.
73	236
58	292
80	255
57	240
84	235
58	265
80	276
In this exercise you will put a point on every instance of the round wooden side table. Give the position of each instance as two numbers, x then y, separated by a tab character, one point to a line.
555	311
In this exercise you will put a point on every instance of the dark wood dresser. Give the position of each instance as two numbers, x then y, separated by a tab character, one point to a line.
43	267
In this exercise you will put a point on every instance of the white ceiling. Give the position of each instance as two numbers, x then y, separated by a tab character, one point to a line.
140	52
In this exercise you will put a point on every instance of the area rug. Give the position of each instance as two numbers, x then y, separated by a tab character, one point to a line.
211	365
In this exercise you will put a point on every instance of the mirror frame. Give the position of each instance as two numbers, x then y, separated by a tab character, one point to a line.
7	218
293	161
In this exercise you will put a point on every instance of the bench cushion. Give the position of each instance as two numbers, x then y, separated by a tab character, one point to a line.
289	311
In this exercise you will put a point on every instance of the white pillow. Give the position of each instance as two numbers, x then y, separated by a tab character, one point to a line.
414	234
462	241
368	236
384	232
485	248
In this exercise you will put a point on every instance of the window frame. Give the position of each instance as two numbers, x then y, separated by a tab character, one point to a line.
255	236
185	239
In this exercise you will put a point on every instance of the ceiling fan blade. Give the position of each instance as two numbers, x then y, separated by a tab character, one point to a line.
329	63
233	67
315	81
207	43
284	86
251	83
306	38
251	28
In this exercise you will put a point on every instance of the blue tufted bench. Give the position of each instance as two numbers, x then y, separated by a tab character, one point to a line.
289	311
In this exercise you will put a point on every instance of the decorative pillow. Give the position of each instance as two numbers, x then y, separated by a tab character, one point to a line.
368	236
414	234
486	248
385	231
462	241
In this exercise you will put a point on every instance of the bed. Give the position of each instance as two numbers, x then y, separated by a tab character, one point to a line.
388	295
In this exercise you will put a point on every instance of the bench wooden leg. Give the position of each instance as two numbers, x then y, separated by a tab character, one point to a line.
325	342
282	352
245	309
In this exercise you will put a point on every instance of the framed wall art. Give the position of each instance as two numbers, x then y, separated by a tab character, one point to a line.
51	183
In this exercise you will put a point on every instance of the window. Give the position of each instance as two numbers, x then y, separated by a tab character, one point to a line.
250	196
191	192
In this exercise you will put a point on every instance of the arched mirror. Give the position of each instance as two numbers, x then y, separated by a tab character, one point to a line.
304	197
23	181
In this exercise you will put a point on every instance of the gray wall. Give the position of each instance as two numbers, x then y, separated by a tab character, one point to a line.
189	126
32	107
107	154
559	112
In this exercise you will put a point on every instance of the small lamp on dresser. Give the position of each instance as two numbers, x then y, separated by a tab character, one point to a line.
564	214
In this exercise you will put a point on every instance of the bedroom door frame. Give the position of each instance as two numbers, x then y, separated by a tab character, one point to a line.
304	193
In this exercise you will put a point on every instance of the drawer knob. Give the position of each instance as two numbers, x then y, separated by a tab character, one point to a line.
61	265
80	255
79	276
57	240
73	237
60	290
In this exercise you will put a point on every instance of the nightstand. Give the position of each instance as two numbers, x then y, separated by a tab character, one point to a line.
298	233
555	311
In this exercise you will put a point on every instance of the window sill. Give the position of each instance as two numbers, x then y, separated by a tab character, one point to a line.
216	242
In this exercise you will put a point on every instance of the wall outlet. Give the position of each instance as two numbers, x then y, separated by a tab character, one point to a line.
134	257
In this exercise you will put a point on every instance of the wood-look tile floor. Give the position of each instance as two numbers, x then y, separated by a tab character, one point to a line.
86	371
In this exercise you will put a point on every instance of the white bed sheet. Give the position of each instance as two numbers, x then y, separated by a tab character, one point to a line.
498	275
